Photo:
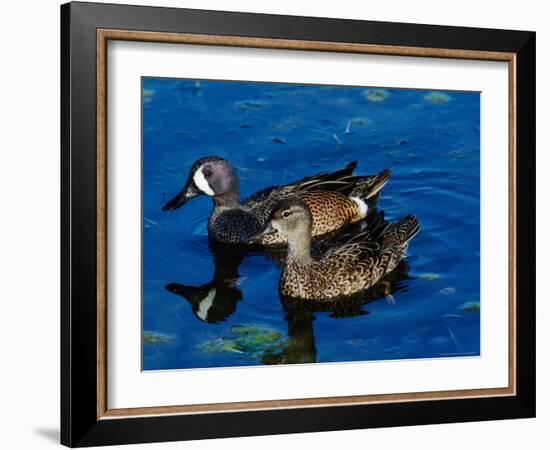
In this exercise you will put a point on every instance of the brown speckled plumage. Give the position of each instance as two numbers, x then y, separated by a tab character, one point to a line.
347	269
330	210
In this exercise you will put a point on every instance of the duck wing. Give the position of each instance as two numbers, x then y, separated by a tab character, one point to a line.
372	255
379	238
358	264
325	180
261	203
365	237
363	257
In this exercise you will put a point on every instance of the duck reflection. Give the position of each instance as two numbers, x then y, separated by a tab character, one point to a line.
300	347
213	302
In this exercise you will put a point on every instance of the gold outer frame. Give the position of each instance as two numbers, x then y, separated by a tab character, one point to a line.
103	36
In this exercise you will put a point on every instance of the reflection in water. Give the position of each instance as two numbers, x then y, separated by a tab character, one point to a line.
215	301
275	133
300	347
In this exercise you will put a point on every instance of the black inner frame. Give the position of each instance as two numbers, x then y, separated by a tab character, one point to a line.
79	424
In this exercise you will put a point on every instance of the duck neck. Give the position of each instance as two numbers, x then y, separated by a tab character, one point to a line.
227	200
299	248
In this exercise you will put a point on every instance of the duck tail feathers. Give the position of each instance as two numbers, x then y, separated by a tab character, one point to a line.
339	180
368	187
351	166
400	233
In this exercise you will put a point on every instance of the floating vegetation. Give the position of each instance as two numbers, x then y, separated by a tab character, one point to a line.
429	276
247	340
147	95
437	98
250	104
152	337
448	291
376	95
471	307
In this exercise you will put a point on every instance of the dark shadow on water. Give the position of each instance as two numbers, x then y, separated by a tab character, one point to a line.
213	302
300	347
216	300
49	434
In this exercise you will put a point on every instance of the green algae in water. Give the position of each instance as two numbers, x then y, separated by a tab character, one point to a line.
148	95
248	340
429	276
152	337
471	307
376	95
437	98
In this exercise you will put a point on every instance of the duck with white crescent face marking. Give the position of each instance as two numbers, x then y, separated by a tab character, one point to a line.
336	199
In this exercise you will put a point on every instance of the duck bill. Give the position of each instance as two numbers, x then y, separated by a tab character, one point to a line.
186	194
187	292
257	238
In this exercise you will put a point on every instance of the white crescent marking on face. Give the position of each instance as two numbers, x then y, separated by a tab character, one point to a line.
201	183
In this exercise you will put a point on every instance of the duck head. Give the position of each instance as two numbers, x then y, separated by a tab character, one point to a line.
211	302
292	218
212	176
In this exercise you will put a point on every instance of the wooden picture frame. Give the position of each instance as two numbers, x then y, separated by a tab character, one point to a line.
86	418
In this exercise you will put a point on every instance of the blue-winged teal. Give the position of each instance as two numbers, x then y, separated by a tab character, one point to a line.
343	270
335	199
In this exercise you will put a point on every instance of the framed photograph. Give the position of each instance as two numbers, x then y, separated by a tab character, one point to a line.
276	224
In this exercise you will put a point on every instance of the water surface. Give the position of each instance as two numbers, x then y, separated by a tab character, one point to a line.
278	133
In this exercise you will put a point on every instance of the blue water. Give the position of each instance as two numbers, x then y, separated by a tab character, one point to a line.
278	133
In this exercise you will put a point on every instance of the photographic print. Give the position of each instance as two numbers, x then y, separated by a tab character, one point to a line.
276	211
299	224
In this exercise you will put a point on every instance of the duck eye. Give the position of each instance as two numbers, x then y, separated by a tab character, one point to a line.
286	214
207	172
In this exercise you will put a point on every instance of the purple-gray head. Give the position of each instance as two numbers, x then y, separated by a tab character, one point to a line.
212	176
